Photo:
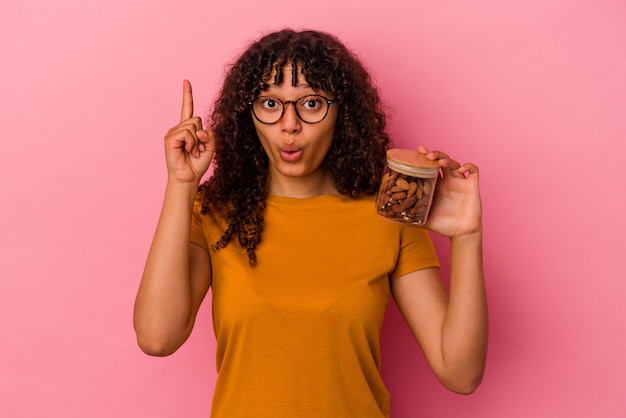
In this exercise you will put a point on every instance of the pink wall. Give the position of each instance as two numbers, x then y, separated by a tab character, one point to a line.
534	91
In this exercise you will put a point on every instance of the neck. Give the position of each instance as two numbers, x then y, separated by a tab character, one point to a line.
315	184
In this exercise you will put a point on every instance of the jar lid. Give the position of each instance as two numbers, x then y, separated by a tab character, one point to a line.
411	162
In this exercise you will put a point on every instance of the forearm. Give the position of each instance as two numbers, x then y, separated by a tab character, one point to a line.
465	328
162	316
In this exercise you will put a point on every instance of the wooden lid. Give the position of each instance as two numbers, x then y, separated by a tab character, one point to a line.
411	162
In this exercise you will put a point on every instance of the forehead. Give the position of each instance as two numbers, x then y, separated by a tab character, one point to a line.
287	75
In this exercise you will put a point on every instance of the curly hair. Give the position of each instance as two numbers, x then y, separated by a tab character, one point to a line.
355	160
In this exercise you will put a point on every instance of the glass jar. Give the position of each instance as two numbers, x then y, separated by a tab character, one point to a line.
407	188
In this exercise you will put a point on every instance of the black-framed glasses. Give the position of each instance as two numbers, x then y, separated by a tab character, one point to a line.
312	108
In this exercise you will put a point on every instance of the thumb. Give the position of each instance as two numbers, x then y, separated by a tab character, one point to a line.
207	142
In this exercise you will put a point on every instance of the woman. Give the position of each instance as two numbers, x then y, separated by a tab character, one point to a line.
286	234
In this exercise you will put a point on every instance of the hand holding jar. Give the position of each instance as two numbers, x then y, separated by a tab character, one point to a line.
430	189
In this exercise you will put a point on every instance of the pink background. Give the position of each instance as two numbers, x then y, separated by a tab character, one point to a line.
533	91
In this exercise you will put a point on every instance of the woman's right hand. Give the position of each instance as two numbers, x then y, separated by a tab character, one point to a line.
189	148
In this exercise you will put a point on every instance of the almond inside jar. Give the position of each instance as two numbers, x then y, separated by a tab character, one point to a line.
407	187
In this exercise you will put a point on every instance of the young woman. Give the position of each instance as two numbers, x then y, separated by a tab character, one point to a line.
285	233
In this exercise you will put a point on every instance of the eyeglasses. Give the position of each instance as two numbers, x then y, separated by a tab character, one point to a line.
310	109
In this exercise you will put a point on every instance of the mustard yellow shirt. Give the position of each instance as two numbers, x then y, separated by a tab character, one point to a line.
298	335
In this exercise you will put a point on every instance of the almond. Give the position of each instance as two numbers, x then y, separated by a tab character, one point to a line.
398	196
402	184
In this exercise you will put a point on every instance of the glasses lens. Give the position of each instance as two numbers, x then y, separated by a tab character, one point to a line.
310	109
267	109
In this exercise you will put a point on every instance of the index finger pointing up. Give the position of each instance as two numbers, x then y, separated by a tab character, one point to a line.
187	110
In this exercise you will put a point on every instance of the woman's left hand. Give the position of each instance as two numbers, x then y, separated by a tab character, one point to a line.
457	209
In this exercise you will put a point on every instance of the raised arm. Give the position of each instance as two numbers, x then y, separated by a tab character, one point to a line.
177	276
451	327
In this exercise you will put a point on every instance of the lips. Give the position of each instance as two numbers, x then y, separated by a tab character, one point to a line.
290	152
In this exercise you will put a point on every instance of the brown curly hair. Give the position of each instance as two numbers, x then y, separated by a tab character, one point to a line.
355	160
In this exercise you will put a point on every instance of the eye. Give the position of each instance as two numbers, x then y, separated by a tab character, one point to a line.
311	103
269	103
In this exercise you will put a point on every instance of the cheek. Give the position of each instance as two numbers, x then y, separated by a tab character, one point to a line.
329	136
330	129
262	135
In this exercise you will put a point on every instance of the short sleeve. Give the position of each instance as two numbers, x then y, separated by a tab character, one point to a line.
197	235
417	251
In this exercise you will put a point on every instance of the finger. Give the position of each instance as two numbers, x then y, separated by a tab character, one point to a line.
468	169
184	139
422	149
437	155
194	124
207	140
445	162
187	110
202	138
450	167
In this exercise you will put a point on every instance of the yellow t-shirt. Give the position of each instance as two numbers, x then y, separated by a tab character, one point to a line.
298	335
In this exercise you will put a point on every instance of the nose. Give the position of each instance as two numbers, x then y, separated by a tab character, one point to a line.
290	122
